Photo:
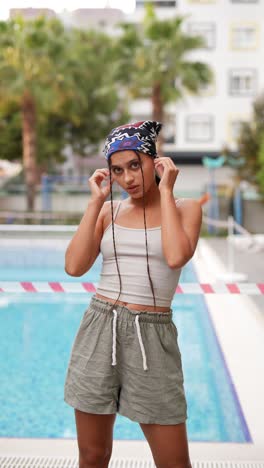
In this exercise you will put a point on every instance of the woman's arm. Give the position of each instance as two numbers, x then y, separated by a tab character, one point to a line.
180	228
85	244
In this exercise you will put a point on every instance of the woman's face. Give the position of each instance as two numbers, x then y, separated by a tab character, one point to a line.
125	170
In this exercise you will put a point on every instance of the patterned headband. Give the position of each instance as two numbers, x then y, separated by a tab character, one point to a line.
140	136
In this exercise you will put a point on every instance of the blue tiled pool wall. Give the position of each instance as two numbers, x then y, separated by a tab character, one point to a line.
34	254
37	262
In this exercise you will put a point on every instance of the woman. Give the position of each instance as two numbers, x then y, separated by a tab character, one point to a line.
125	357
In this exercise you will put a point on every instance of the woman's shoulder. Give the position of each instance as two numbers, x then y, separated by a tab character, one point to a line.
107	209
107	203
187	202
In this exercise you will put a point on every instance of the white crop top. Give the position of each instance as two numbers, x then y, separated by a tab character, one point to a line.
132	262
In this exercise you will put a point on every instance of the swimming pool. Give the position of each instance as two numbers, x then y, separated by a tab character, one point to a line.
36	335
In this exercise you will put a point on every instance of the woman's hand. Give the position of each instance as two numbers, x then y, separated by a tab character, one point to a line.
95	181
167	171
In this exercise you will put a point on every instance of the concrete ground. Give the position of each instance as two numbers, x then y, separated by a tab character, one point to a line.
249	263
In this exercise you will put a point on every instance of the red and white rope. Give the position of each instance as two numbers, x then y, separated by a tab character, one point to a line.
182	288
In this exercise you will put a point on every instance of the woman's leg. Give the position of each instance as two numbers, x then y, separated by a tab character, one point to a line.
95	438
168	444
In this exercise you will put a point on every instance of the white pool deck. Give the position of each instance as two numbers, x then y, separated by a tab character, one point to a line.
239	325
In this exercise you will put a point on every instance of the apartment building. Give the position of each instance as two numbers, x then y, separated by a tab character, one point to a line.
105	19
31	13
234	36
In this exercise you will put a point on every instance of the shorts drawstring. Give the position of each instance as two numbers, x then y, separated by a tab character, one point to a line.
145	367
114	339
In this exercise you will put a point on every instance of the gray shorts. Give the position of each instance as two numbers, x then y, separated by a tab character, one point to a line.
126	361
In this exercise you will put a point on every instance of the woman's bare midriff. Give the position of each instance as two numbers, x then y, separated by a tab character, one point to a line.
134	306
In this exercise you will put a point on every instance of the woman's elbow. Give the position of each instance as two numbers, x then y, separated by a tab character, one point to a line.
70	266
71	272
179	262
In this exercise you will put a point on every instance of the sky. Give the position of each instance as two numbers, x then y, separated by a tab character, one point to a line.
59	5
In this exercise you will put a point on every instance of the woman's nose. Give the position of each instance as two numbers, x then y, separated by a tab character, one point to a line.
128	177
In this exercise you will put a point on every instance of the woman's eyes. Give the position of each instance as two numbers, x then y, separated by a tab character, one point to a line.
116	169
135	164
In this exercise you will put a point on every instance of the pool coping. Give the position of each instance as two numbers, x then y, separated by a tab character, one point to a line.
244	364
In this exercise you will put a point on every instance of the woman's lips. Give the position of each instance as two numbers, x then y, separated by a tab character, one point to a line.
133	187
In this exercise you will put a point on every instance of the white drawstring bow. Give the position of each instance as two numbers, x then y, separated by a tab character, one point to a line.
145	367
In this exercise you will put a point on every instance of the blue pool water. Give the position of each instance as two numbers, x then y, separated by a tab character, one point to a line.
36	336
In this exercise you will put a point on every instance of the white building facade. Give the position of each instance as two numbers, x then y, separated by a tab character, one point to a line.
234	34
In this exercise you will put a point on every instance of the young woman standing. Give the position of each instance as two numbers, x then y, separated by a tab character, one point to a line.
125	357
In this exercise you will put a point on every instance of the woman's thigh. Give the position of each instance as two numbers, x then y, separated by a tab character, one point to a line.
168	444
94	434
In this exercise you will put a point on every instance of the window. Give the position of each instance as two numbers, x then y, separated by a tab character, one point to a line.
199	128
242	82
157	3
244	36
206	30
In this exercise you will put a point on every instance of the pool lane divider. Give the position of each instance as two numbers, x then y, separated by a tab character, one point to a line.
78	287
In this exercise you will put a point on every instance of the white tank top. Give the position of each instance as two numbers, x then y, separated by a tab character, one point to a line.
132	262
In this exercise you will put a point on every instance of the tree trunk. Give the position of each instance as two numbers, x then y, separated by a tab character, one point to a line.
158	114
29	147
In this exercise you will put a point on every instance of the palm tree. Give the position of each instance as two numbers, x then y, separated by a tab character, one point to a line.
62	82
32	76
154	63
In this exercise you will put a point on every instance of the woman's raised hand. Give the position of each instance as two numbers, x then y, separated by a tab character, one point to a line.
167	171
98	192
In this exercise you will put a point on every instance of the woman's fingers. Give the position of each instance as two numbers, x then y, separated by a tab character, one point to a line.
165	162
100	171
106	171
106	189
99	175
95	182
97	178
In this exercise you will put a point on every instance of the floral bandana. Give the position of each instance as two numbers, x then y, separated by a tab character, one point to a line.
140	136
